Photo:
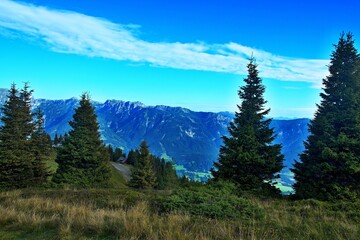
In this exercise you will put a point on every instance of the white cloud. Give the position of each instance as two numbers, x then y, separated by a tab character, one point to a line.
71	32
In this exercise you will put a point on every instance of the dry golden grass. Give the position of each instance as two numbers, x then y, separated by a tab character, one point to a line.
124	214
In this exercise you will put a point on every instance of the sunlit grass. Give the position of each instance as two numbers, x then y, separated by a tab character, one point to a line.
127	214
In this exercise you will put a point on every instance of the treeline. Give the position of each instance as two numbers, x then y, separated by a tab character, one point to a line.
156	172
59	139
82	157
150	171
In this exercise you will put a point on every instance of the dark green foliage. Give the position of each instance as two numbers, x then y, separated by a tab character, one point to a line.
166	177
83	158
142	175
111	152
116	154
26	121
59	139
330	165
249	157
214	201
56	139
15	161
41	148
164	172
132	156
24	145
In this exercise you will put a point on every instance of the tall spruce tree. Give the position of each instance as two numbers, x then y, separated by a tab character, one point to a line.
143	175
83	158
16	170
248	156
330	165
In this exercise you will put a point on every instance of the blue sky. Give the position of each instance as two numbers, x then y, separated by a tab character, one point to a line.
179	53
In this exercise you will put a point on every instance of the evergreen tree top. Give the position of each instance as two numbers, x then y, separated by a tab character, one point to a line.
26	93
144	149
252	105
85	116
338	86
12	103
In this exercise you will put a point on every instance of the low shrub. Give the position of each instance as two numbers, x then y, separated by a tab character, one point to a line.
214	201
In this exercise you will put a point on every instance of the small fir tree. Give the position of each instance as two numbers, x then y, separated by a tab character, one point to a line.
132	156
117	154
83	158
248	156
61	139
111	152
165	173
143	176
56	139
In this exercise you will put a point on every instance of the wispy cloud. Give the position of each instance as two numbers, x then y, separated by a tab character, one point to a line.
76	33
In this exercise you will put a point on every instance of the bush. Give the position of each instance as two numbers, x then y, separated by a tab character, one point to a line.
214	201
351	209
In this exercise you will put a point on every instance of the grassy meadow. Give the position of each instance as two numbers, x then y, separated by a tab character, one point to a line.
123	213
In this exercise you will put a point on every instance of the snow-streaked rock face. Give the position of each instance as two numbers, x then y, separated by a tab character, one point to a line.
3	95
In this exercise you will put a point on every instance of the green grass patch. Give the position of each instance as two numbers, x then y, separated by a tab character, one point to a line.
117	179
50	162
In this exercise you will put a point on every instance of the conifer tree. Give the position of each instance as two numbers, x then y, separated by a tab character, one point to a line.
248	156
132	156
329	168
117	154
83	158
65	135
27	123
165	173
15	159
56	139
61	139
143	175
41	149
111	152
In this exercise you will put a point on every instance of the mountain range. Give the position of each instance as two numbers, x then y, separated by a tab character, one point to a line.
191	139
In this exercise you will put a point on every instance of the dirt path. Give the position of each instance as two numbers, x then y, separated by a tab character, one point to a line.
125	170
